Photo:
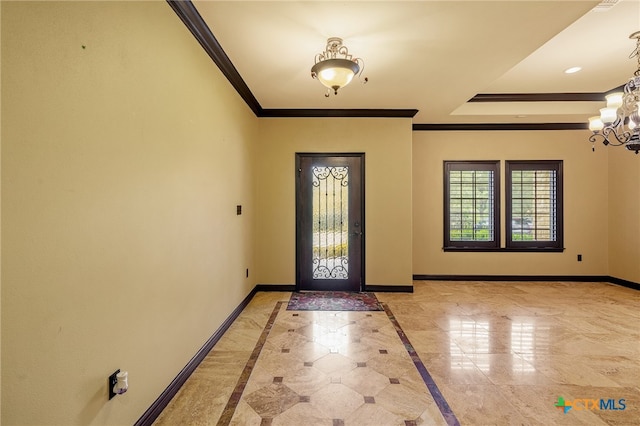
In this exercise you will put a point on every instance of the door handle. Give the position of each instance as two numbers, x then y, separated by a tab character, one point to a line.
357	233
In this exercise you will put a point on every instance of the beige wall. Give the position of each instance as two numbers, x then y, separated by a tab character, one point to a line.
624	214
125	153
585	202
387	144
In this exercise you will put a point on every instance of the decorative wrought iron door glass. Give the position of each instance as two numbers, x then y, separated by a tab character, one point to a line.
330	222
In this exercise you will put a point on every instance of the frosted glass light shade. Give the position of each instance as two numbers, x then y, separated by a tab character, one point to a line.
335	73
608	115
595	124
614	100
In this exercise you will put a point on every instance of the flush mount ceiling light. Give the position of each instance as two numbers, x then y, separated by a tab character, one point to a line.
619	123
335	67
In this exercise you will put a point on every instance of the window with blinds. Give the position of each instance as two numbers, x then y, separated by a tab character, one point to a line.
534	204
471	200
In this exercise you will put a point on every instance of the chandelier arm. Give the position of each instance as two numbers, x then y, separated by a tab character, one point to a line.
630	87
636	52
360	63
342	50
620	139
594	137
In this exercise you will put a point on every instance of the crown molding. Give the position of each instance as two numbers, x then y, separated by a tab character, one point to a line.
498	126
200	30
538	97
192	19
389	113
544	97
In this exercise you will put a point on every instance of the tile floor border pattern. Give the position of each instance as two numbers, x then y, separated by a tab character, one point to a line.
439	399
236	396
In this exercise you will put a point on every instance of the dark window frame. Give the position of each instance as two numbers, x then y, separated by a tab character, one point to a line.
483	165
518	165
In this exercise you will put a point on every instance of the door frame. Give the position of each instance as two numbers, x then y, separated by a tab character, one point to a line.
299	212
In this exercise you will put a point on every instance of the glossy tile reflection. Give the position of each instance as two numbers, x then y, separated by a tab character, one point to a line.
503	352
498	352
342	366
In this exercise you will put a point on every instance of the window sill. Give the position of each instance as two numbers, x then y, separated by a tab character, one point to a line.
505	249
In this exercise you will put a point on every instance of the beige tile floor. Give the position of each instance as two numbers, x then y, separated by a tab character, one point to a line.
499	352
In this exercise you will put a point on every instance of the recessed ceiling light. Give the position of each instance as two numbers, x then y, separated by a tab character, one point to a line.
572	70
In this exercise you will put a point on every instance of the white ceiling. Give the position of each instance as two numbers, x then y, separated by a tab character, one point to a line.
432	56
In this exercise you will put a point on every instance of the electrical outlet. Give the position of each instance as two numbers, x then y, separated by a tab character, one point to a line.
579	258
112	382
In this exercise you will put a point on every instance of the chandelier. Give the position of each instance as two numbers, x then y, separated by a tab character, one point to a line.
335	67
619	122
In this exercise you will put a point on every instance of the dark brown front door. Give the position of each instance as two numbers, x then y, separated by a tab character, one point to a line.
330	222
